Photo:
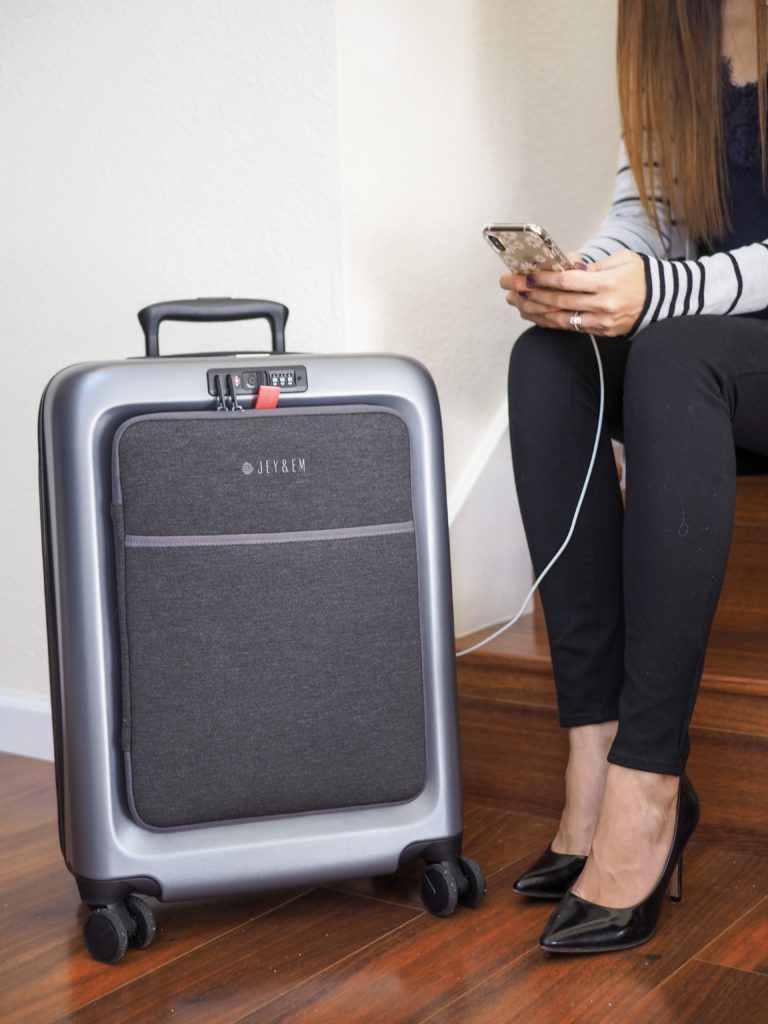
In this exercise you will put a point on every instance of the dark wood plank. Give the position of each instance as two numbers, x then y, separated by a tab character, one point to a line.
752	500
702	993
235	976
539	988
738	656
20	775
411	974
744	945
514	754
743	598
498	840
737	706
27	793
731	774
508	682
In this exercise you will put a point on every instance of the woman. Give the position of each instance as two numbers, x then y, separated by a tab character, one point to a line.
674	288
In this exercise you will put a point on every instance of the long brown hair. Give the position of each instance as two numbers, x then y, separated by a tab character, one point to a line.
670	91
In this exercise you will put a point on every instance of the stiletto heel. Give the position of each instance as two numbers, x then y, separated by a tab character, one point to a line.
578	926
676	895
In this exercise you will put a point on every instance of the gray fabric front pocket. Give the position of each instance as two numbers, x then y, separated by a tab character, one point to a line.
267	670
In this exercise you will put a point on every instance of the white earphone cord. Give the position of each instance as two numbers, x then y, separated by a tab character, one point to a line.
564	545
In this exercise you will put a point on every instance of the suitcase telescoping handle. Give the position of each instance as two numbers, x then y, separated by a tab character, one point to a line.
208	310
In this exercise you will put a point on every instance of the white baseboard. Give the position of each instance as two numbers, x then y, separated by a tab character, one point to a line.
25	726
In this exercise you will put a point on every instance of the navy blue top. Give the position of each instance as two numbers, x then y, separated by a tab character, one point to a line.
747	196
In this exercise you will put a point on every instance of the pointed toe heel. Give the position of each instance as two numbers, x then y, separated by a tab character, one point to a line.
578	926
551	876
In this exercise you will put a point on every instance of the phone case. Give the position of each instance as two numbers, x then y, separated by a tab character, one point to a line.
525	247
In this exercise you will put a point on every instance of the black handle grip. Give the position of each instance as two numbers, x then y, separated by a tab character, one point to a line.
208	310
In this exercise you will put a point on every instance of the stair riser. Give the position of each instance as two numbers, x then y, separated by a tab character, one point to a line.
515	754
744	598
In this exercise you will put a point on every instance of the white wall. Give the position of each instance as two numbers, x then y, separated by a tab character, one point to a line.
150	150
455	113
339	155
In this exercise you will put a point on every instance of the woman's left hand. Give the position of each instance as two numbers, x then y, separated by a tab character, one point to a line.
609	295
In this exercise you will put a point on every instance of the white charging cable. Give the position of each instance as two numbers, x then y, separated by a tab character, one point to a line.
579	503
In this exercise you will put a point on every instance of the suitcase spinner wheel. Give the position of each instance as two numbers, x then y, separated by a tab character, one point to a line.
449	884
110	931
330	741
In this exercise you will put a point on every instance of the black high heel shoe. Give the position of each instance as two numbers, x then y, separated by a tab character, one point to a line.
551	876
578	926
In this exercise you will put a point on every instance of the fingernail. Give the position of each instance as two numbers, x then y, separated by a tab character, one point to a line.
580	265
523	295
530	280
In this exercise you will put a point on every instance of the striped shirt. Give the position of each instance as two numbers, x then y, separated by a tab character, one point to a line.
679	281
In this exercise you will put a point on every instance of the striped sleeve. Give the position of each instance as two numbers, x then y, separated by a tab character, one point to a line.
627	225
726	282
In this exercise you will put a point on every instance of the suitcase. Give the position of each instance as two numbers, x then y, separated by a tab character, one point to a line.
249	625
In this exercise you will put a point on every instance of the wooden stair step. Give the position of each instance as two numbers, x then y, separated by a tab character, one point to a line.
752	500
743	602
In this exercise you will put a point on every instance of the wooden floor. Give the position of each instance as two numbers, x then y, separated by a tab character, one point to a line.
367	951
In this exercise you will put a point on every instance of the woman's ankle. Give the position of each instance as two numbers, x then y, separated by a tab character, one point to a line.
595	738
658	792
633	837
584	785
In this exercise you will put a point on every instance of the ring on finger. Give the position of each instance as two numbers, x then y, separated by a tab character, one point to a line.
575	321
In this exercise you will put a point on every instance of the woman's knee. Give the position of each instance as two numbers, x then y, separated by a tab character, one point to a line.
671	364
543	358
669	350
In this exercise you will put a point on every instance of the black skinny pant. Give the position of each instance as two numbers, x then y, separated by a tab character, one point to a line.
630	603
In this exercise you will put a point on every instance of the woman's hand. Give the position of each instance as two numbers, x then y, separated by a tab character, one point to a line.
609	295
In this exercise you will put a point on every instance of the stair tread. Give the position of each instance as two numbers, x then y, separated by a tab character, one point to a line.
738	656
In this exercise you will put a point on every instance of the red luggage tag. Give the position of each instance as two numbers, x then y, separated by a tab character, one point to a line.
268	397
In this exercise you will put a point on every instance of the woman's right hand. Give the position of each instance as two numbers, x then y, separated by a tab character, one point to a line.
525	302
605	298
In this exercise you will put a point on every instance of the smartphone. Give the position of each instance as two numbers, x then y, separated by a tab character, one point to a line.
525	248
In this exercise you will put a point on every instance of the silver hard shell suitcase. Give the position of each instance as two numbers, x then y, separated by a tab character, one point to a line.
250	625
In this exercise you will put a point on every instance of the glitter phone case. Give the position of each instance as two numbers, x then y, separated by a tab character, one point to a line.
525	248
